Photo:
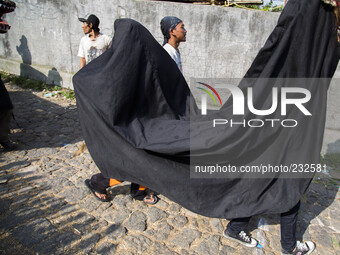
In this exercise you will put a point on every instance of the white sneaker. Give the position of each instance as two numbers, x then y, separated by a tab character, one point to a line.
242	238
302	248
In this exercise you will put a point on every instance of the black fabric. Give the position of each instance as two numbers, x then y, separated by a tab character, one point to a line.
141	124
5	121
6	107
137	194
99	183
5	101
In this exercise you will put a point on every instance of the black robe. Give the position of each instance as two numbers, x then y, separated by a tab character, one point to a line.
141	123
5	100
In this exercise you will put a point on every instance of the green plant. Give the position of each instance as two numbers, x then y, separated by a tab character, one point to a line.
267	7
6	77
252	6
27	83
33	84
69	94
18	80
335	243
56	88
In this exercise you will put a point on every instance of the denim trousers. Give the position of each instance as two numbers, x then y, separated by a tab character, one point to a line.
288	222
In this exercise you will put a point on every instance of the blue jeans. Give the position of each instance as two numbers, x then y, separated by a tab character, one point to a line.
288	222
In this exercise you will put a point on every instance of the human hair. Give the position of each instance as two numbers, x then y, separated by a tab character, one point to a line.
337	21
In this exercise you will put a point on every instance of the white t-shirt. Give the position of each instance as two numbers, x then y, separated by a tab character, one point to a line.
92	48
174	54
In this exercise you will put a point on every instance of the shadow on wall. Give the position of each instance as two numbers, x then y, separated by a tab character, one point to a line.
332	159
333	147
53	77
26	69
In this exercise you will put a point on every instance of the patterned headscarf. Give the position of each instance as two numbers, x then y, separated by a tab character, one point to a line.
167	23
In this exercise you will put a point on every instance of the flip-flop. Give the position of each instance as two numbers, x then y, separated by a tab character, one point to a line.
155	199
87	182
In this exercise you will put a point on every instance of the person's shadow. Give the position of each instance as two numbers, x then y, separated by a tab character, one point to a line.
26	70
24	51
54	78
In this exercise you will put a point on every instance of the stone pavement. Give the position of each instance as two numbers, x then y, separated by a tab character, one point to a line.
45	207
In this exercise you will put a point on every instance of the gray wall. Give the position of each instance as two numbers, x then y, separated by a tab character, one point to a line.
45	34
221	42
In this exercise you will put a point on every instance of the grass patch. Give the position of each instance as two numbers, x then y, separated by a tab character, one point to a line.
336	244
33	84
270	7
69	94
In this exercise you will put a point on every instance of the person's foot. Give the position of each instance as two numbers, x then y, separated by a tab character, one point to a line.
150	199
8	145
302	248
100	196
242	238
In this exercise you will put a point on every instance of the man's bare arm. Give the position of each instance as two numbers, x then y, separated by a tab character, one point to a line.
82	62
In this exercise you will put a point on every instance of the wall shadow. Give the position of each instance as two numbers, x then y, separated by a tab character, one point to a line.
24	51
332	159
333	147
26	70
54	78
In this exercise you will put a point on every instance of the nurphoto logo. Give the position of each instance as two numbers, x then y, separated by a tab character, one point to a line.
281	98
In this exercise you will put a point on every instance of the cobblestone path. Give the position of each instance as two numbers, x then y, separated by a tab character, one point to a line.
45	207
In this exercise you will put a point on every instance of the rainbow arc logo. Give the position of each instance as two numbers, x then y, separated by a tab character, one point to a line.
209	93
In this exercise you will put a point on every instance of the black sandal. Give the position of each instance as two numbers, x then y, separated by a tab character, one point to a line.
88	184
155	199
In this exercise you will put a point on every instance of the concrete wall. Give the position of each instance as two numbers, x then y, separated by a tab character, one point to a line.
221	42
45	34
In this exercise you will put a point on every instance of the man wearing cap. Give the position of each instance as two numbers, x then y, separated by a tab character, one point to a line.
91	46
93	43
174	33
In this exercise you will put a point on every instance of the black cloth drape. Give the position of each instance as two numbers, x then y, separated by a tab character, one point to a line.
5	101
141	124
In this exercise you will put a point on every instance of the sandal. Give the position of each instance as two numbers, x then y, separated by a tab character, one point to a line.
88	184
149	197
